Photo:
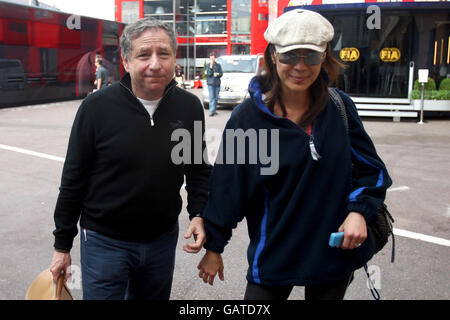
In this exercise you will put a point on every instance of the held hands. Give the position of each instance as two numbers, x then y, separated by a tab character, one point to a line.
355	230
195	228
210	264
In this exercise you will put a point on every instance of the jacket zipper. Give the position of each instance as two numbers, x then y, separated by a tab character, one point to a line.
314	154
152	123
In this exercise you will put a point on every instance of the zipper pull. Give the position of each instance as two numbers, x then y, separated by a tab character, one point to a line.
314	154
151	122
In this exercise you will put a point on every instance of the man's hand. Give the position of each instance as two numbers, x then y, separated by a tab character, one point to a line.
355	230
195	228
210	264
61	262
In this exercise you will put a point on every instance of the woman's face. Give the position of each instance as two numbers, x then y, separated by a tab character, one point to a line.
298	69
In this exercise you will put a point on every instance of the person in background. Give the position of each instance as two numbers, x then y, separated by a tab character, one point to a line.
179	76
120	180
213	75
101	75
292	212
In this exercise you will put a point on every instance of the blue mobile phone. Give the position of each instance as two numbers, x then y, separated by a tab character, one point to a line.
336	239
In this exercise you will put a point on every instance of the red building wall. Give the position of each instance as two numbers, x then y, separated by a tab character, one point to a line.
259	23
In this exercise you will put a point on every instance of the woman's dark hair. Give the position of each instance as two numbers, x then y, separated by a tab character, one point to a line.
270	84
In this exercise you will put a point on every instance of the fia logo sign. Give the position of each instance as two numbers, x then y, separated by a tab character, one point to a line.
349	54
390	54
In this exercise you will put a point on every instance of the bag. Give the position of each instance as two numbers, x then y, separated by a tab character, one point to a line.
381	228
43	288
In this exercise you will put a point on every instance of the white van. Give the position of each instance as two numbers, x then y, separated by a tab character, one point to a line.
238	70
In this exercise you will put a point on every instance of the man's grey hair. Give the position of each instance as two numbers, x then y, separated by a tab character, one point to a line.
135	29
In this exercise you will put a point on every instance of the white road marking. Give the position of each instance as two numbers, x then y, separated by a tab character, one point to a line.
397	232
422	237
402	188
37	106
32	153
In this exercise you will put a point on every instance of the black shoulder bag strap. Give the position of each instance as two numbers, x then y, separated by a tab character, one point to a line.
336	97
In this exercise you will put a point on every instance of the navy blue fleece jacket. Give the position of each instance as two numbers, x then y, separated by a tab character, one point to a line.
291	214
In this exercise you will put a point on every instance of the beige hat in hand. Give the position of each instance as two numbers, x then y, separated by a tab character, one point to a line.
43	288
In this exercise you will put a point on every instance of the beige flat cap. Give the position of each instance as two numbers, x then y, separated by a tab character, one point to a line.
299	29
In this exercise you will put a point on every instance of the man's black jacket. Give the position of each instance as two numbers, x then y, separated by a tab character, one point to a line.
119	178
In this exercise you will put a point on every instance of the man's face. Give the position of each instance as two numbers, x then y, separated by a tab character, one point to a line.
151	63
212	58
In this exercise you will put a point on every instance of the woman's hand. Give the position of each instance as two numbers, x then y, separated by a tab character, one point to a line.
355	231
210	264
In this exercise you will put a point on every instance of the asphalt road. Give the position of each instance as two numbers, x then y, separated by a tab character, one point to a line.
417	157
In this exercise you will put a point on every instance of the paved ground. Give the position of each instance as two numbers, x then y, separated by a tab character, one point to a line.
417	157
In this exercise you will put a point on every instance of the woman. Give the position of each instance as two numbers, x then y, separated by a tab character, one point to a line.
291	214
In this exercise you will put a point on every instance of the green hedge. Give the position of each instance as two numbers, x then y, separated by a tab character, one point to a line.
430	85
431	94
445	84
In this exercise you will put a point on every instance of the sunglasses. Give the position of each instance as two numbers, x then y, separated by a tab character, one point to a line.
313	58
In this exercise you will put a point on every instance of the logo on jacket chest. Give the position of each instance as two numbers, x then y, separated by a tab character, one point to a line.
177	124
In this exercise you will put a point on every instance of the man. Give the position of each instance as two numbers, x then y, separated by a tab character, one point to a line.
101	75
213	75
120	180
179	76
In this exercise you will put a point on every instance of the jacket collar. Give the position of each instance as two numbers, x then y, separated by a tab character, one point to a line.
126	82
257	96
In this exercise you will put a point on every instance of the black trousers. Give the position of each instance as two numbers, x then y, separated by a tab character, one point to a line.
328	291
